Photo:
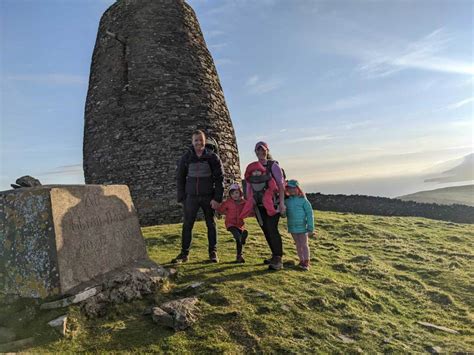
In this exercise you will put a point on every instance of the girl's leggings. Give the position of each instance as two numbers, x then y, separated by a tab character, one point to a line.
302	248
237	234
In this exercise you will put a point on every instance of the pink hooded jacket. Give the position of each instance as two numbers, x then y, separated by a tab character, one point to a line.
232	209
267	196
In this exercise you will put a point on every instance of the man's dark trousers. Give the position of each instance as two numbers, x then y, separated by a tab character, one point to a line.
191	205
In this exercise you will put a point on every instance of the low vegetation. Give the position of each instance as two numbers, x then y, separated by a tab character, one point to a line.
372	279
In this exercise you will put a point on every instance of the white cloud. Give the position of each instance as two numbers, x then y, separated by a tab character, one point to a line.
217	46
382	55
459	104
353	125
258	86
57	79
346	103
213	34
310	139
64	170
421	54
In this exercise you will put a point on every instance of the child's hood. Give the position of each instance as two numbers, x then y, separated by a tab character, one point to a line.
256	165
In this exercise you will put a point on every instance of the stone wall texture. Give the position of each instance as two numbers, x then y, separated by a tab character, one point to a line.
152	82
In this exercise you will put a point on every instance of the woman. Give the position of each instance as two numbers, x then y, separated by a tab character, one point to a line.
269	223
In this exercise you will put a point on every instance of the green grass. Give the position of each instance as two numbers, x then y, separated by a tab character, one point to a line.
463	195
372	279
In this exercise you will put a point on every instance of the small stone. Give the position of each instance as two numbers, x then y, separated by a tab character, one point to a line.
438	327
434	349
160	317
285	308
346	339
59	324
147	311
183	311
82	296
28	181
172	272
196	284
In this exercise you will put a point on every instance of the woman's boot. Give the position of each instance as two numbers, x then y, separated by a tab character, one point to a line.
276	263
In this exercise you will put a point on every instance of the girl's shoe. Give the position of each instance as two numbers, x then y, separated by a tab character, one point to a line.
240	259
305	265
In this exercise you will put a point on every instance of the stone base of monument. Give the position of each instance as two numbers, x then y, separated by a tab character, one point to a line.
56	238
124	285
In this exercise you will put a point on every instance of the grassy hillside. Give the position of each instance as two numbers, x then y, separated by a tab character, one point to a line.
372	279
463	195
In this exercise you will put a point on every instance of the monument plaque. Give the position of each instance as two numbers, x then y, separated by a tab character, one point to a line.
54	238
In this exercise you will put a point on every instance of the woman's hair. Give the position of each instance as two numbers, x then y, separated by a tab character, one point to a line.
269	155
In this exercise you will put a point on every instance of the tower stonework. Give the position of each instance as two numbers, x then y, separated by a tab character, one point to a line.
152	82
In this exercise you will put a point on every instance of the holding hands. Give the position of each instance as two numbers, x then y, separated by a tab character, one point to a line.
214	204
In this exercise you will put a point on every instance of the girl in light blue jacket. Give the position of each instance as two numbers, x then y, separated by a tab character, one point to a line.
300	217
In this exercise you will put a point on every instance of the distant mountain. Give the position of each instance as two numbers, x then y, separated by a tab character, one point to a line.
463	170
463	195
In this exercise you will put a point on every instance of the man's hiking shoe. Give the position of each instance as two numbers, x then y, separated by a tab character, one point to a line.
245	234
275	263
240	259
213	257
181	258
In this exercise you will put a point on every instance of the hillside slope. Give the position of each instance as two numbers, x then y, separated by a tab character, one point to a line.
372	279
463	195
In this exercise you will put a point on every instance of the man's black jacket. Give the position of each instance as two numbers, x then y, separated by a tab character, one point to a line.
200	176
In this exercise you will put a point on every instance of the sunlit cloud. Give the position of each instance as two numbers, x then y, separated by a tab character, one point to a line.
382	55
353	125
64	170
257	86
461	103
346	103
421	54
213	33
217	46
310	139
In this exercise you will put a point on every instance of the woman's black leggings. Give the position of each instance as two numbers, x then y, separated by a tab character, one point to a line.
270	230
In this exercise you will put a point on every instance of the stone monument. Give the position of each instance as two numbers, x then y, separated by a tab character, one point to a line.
55	238
152	82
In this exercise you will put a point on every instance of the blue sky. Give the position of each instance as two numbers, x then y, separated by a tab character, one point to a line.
365	96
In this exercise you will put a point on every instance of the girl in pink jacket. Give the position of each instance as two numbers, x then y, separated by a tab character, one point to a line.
232	208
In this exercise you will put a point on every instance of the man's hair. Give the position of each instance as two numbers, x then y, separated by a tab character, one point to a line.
198	131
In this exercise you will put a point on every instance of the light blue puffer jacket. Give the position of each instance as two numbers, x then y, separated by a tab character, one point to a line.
300	214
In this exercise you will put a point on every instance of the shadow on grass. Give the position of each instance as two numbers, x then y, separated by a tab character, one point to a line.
165	239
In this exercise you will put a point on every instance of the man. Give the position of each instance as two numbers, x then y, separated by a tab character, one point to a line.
200	182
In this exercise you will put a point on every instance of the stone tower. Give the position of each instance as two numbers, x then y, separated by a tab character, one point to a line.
152	82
